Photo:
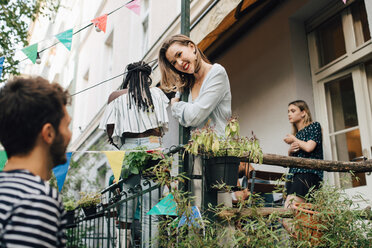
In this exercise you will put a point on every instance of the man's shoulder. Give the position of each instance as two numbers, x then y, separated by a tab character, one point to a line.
23	183
28	198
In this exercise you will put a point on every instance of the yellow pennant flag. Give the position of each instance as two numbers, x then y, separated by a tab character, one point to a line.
115	159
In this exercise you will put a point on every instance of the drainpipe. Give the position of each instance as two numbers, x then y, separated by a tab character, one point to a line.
184	133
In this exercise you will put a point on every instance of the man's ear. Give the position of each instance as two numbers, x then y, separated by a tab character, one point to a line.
48	133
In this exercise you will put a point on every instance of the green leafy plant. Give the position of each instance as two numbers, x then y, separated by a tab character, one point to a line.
137	161
206	141
15	19
69	204
89	199
340	221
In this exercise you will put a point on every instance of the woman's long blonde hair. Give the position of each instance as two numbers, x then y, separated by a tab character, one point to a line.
171	79
302	105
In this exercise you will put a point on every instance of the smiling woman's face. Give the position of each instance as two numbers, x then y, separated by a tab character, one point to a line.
183	58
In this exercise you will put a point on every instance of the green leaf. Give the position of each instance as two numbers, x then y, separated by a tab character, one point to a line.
134	170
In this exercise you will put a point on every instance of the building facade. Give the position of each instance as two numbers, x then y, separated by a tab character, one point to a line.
274	52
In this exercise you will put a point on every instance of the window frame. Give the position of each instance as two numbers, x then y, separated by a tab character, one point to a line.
349	63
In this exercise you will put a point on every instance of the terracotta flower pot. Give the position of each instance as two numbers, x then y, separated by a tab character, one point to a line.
307	225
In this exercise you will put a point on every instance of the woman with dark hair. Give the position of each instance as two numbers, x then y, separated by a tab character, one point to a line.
305	142
136	116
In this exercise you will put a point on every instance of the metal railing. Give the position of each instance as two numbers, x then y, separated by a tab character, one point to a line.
120	219
111	221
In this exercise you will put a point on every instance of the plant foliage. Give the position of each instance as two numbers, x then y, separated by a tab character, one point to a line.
89	199
15	18
206	141
137	161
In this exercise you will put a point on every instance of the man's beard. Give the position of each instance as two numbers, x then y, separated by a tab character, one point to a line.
58	151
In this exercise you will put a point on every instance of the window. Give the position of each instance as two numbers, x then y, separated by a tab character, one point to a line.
360	22
330	39
145	25
340	33
339	41
343	126
109	54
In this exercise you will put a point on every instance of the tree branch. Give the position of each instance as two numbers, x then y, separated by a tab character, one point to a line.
317	164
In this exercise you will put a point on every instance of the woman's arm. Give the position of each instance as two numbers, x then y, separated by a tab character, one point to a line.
307	146
194	113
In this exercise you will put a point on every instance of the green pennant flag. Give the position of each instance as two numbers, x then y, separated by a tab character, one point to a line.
167	206
3	159
31	52
65	38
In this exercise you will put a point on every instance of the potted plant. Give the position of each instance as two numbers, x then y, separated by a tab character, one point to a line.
70	207
141	160
88	202
307	223
331	218
222	154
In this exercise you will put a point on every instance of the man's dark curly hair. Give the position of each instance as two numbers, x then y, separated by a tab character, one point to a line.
26	105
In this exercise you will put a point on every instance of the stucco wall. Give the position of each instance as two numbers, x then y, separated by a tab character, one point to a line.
266	73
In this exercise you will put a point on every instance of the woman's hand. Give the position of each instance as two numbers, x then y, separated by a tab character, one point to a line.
295	147
175	99
289	139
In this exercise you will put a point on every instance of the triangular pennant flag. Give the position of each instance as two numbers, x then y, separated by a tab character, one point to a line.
1	65
3	159
60	171
65	38
115	159
344	1
31	52
135	6
100	22
191	219
167	206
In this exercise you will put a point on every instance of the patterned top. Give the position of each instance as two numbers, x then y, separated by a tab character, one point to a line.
311	132
31	212
134	120
213	102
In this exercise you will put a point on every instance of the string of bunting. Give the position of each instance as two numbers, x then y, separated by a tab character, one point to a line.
65	37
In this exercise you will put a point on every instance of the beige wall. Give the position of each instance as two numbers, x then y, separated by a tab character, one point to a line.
261	68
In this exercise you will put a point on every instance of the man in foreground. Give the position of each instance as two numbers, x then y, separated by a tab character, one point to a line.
35	134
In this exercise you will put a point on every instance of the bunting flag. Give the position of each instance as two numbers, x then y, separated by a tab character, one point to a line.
344	1
167	206
135	6
65	38
1	65
115	159
31	52
3	159
100	22
192	219
60	171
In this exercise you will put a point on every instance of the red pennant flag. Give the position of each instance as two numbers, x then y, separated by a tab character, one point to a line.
135	6
100	22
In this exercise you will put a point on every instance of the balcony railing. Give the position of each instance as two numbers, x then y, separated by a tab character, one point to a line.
107	227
